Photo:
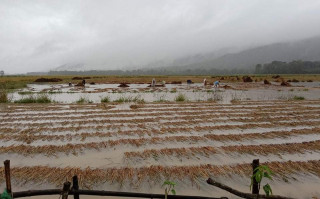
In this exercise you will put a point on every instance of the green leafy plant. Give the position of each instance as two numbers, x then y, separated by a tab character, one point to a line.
169	187
261	172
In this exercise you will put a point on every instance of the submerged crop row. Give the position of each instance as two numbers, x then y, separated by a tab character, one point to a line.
265	149
29	138
155	174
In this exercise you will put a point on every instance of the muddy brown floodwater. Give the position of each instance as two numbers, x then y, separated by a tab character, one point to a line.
117	146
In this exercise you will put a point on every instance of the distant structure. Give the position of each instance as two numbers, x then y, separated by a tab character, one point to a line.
1	73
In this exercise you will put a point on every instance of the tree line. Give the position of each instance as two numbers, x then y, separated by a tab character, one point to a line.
294	67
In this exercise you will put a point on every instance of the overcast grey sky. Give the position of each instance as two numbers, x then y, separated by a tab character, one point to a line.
41	35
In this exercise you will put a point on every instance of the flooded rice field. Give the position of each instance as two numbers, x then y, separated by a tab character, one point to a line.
63	93
136	146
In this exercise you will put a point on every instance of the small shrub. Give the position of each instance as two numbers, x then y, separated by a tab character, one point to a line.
180	98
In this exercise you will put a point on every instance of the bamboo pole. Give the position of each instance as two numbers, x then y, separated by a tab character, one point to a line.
29	193
255	185
65	190
75	187
7	176
242	194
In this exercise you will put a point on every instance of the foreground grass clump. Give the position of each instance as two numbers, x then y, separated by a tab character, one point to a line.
105	99
123	99
298	98
83	100
41	98
180	98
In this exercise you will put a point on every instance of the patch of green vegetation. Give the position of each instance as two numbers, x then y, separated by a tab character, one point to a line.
105	99
83	100
298	98
173	91
25	92
262	172
305	89
169	188
54	92
4	96
180	98
11	85
123	99
40	98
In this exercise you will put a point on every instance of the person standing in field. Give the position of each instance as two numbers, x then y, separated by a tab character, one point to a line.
216	84
205	82
153	83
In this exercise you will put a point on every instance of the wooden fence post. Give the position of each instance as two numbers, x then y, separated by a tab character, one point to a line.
7	175
65	190
255	186
75	186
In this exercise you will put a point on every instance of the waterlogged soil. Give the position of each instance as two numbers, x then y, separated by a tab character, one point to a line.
192	92
136	149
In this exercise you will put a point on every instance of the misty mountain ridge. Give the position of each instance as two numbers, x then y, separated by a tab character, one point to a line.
307	49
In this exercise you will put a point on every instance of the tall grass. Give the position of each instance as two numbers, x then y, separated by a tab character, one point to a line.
40	98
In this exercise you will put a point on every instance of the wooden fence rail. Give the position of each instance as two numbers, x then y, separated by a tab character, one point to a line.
76	192
22	194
